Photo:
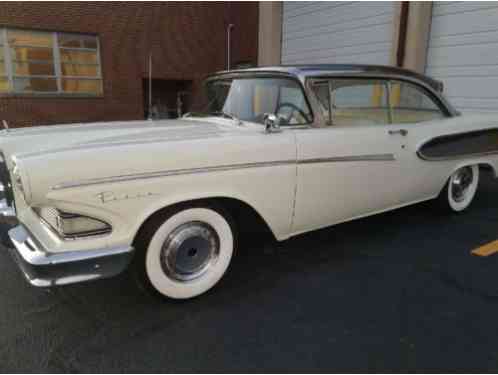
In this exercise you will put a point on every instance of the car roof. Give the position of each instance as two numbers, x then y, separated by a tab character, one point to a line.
303	71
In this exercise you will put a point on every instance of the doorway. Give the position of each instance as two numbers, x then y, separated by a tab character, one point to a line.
170	98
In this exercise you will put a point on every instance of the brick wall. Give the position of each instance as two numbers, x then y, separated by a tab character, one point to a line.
187	41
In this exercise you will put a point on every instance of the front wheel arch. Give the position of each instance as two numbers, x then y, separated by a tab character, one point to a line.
236	208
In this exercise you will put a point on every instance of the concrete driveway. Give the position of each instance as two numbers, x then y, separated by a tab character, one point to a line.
398	291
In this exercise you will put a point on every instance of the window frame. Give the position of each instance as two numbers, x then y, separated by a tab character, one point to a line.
387	80
264	75
420	89
57	65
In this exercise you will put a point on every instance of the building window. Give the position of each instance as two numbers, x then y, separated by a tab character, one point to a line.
34	62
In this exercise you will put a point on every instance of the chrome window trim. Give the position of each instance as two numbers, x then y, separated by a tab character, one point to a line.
309	79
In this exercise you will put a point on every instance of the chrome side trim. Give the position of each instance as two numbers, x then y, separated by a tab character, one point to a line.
457	146
338	159
456	157
175	172
33	253
223	168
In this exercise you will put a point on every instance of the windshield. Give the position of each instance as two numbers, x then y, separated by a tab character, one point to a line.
249	99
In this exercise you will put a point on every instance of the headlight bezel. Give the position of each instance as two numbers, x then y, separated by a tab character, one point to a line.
19	179
65	224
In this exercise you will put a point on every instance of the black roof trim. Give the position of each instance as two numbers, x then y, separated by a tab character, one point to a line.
313	69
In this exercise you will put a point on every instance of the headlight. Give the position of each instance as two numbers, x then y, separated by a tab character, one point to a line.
17	180
70	225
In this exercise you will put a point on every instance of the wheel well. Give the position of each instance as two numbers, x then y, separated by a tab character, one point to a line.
487	167
245	217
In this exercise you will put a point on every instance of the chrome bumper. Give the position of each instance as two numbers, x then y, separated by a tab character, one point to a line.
7	213
43	269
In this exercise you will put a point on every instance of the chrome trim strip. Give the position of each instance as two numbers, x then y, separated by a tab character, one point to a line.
462	154
223	168
455	157
377	157
33	253
175	172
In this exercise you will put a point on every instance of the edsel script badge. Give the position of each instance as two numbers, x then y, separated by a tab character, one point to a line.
109	196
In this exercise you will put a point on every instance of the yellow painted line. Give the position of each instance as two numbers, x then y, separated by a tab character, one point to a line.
486	250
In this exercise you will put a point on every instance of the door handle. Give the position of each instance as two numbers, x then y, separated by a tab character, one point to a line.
402	132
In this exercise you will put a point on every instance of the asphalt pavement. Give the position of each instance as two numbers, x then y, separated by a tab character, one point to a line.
394	292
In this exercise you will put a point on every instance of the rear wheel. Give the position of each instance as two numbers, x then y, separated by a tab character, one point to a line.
186	252
460	190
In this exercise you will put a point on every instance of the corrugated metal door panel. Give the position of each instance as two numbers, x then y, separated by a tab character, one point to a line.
337	32
463	53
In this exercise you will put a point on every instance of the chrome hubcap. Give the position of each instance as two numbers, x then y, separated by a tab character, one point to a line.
189	251
460	183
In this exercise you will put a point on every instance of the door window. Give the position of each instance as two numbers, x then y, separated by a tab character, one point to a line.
322	93
359	102
411	104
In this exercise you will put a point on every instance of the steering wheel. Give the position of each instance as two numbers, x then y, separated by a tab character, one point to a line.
294	108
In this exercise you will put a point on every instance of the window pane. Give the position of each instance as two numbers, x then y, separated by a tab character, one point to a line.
80	70
322	94
77	41
84	86
410	104
4	85
84	57
27	53
35	85
29	38
292	105
249	99
33	69
359	102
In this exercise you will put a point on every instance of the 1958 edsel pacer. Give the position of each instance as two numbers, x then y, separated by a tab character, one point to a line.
301	147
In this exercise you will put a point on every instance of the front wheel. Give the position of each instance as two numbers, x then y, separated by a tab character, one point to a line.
460	190
185	253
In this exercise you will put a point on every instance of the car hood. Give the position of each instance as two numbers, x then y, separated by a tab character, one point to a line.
48	139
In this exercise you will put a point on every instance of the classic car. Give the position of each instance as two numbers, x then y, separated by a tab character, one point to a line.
300	148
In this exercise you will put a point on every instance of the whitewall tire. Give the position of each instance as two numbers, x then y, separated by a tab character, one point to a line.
187	252
461	188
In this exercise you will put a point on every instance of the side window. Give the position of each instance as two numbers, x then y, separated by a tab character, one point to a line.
292	105
411	104
359	102
322	93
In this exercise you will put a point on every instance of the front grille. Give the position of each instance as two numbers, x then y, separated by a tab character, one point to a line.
6	182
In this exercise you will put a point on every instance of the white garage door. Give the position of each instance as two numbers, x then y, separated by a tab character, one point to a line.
463	53
337	32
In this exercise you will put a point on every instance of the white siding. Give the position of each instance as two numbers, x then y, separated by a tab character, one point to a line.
463	53
337	32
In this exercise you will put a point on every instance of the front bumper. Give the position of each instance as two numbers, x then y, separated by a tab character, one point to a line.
43	269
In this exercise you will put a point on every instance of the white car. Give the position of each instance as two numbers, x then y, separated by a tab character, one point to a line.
300	148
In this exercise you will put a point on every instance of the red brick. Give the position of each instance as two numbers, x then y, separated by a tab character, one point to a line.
187	41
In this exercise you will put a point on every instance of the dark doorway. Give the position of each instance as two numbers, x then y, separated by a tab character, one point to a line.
170	98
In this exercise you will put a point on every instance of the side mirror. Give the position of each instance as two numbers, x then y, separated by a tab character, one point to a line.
272	123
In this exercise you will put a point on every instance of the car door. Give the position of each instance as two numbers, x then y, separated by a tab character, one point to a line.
417	117
350	167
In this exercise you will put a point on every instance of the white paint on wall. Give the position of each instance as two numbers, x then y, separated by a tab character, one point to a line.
337	32
463	53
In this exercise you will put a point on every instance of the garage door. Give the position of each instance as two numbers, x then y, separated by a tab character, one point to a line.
337	32
463	53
